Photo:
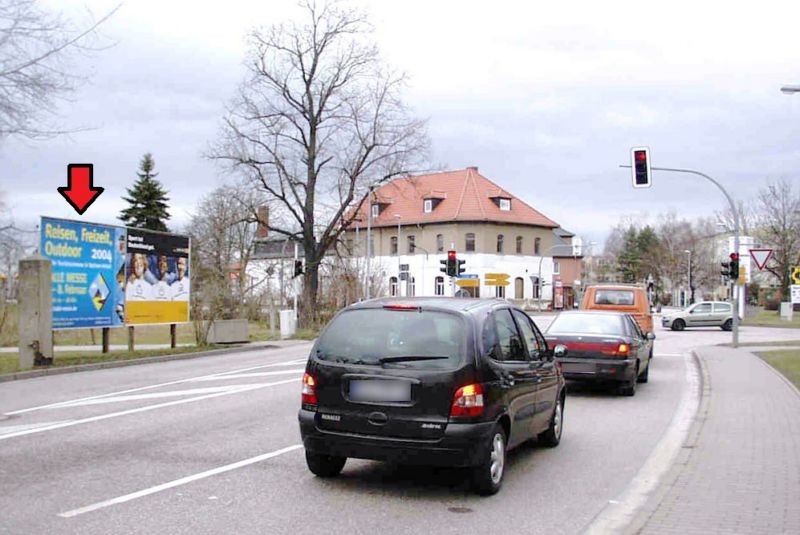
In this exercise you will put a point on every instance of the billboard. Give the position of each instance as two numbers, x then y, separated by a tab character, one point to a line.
157	278
88	272
107	276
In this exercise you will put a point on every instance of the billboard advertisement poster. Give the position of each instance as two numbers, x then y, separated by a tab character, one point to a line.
88	272
157	286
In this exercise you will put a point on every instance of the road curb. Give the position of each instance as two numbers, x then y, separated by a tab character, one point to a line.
630	510
774	370
31	374
669	479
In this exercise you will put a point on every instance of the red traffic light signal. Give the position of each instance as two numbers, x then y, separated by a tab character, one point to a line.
640	167
734	257
452	263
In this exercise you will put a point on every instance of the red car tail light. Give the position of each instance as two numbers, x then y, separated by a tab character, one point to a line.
468	401
309	391
623	349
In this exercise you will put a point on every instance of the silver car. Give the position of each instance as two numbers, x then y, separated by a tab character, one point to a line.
703	314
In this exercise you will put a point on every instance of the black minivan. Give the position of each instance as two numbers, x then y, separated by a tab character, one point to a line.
430	381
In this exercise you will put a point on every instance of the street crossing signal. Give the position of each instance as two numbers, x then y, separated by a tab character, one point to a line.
734	269
640	166
298	267
452	264
460	265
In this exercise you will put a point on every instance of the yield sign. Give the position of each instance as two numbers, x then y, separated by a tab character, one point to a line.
761	256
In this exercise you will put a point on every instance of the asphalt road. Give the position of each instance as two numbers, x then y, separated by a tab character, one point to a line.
211	445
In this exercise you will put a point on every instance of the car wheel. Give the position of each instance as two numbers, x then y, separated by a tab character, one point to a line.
325	465
678	325
487	477
728	325
643	377
552	437
629	387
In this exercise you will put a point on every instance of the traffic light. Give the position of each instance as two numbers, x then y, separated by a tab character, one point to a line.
640	165
734	267
452	264
298	267
726	270
460	266
443	268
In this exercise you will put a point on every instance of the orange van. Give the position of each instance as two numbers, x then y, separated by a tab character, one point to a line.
621	298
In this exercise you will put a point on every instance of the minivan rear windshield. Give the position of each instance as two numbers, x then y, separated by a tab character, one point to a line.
587	324
613	297
386	337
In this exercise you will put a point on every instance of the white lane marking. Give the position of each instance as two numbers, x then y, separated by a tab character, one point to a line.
669	354
177	482
157	395
143	409
149	387
15	428
621	511
297	371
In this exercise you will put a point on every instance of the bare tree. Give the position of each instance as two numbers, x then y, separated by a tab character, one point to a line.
223	231
37	50
747	219
317	121
779	228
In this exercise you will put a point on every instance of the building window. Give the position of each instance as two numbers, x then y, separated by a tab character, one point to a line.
411	291
536	288
500	244
505	205
427	206
411	244
393	286
519	244
500	291
469	246
439	286
376	209
556	267
439	243
537	245
393	245
519	288
348	244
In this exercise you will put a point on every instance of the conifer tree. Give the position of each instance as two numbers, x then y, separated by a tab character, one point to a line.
147	199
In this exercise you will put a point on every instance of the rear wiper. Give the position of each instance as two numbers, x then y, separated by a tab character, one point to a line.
408	358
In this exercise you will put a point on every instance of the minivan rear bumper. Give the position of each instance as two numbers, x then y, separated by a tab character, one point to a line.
461	445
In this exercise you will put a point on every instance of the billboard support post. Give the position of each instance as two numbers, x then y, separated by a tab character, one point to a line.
106	331
130	339
172	335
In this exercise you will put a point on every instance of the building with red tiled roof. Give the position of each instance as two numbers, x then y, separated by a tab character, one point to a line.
415	221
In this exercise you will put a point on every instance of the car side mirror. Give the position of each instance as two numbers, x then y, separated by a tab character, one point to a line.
651	336
560	351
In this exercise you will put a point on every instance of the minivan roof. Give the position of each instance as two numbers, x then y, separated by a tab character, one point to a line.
458	304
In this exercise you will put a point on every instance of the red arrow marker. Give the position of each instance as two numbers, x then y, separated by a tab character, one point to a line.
79	192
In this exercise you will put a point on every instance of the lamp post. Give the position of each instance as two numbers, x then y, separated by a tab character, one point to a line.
689	276
369	240
397	216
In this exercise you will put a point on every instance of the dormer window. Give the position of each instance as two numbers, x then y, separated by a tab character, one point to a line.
427	206
376	210
505	204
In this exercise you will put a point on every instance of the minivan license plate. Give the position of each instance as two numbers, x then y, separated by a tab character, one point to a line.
378	390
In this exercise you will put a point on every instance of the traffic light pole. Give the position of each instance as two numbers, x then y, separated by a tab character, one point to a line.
735	295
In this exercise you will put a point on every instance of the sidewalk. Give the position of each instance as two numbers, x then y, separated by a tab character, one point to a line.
114	347
739	469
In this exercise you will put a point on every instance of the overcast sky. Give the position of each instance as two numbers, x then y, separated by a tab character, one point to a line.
545	99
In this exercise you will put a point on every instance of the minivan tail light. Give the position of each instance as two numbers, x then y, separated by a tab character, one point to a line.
623	349
309	392
468	401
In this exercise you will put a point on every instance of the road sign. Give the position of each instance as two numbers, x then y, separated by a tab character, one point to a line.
761	257
468	276
795	288
795	275
496	279
468	283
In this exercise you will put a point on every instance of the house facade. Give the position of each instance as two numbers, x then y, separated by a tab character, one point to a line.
409	225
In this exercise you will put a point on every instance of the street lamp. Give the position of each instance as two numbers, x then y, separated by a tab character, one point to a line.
790	89
397	216
689	276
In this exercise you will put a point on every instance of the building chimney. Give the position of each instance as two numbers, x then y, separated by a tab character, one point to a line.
262	230
473	168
